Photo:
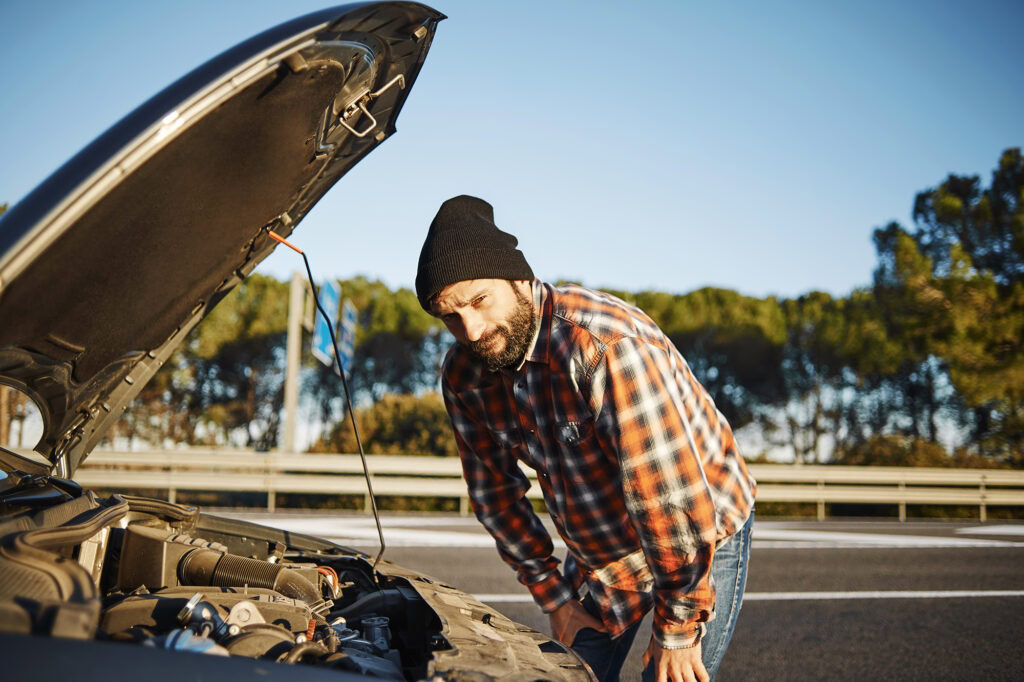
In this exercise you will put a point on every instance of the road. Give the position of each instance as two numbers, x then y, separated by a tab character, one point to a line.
835	600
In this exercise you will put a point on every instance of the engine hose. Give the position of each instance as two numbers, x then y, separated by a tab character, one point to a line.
377	602
210	567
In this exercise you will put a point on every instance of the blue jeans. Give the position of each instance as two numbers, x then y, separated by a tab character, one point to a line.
605	655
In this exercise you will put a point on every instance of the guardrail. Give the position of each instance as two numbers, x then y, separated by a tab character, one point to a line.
400	475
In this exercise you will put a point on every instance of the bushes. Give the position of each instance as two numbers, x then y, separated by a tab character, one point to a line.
904	451
396	425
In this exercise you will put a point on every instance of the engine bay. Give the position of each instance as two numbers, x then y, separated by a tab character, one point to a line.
150	573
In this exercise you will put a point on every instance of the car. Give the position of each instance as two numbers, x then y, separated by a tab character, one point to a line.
105	268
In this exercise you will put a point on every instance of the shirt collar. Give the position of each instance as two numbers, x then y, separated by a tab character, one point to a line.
537	351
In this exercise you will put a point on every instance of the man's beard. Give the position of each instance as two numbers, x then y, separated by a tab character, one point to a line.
517	330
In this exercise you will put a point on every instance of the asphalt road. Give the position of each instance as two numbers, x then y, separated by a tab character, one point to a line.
834	600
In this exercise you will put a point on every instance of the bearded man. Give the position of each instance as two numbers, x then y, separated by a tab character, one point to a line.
639	470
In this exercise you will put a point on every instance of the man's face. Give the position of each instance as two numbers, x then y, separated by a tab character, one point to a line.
494	318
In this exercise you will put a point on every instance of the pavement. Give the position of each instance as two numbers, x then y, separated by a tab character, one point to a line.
832	600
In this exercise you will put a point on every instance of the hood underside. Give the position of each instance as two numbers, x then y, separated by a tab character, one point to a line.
107	265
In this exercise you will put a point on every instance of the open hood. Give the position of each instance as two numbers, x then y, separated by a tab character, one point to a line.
110	262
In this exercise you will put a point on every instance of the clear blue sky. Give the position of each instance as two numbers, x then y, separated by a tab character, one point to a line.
666	145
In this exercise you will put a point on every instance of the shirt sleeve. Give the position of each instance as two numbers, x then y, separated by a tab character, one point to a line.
497	494
649	406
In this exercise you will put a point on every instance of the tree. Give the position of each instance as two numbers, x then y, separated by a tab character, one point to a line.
226	384
953	293
917	317
985	225
397	424
398	349
239	360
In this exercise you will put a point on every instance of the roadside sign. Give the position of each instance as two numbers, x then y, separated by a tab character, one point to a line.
347	335
330	296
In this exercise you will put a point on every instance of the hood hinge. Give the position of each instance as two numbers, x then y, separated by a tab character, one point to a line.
60	466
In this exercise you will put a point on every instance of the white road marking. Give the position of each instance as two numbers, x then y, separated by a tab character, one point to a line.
992	530
363	533
915	594
505	598
812	596
840	539
425	531
395	537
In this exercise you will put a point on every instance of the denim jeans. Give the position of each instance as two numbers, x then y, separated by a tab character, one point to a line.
605	655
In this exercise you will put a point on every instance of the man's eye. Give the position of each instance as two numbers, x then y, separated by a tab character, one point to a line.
478	300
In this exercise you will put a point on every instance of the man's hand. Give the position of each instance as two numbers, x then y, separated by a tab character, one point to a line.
567	620
676	665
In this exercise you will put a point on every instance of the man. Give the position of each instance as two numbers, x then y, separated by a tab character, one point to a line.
639	471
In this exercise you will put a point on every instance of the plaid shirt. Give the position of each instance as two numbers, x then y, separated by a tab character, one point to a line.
639	470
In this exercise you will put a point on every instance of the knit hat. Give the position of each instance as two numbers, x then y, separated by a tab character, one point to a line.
464	243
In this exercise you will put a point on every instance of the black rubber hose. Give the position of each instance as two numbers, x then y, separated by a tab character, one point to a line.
376	602
210	567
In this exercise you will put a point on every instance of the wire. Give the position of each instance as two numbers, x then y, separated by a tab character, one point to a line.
331	575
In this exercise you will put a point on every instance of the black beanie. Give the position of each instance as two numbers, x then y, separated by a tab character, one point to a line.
464	243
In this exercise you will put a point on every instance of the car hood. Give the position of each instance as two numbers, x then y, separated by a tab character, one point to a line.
110	262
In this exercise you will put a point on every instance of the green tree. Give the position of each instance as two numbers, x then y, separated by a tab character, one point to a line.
954	296
239	362
917	318
986	225
398	349
397	424
226	384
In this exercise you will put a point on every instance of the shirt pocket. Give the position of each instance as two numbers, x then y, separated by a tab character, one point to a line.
574	434
589	475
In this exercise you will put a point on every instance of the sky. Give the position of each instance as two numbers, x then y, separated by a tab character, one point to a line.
649	145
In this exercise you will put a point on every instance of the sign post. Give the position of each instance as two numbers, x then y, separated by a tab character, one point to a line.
291	378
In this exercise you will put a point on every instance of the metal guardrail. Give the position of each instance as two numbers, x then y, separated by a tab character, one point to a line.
400	475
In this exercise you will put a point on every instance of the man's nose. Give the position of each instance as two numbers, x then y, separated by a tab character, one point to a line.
474	327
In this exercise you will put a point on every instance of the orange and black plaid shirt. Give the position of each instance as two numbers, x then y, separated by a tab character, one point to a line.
639	470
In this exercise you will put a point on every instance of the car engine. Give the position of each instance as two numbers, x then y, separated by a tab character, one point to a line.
156	574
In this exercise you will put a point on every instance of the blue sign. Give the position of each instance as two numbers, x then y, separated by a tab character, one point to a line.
347	337
330	297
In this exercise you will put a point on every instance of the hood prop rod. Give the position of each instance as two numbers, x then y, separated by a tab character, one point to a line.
348	394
